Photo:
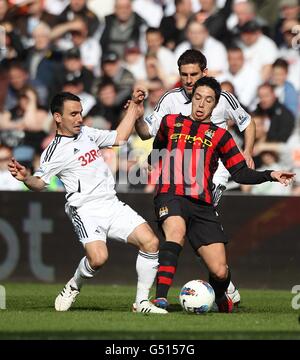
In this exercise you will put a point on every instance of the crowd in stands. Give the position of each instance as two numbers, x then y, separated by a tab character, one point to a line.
47	46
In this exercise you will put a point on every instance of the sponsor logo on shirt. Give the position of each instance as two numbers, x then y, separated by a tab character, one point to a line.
149	118
191	139
242	119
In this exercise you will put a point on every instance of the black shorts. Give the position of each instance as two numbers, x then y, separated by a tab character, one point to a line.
202	221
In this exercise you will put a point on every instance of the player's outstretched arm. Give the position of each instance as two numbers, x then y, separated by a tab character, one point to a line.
21	173
135	110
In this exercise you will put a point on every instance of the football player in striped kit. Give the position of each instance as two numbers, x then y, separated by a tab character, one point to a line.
186	151
192	65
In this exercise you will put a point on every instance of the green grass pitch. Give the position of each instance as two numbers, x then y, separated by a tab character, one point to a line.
103	312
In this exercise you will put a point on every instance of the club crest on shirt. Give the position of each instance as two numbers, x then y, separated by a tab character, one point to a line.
242	119
163	211
209	133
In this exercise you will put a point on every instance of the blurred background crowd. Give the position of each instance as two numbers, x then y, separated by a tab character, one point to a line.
99	49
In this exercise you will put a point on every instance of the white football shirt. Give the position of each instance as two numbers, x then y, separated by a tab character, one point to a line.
176	101
77	162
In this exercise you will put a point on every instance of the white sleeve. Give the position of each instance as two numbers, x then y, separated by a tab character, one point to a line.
153	120
103	138
49	169
235	111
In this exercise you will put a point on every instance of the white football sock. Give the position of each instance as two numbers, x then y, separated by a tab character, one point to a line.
82	273
146	268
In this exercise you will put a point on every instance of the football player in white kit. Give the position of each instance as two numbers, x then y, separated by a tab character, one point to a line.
192	65
95	211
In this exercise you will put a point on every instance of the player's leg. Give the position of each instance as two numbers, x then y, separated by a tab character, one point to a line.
96	256
128	226
220	181
147	242
174	228
214	257
206	236
85	221
172	215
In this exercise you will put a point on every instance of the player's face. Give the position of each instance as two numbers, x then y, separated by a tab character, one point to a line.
70	122
189	74
203	103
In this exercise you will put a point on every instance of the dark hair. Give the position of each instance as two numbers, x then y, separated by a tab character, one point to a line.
212	83
268	85
192	57
153	30
57	103
234	48
281	63
106	81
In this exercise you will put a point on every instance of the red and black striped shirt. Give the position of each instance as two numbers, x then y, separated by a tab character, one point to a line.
186	153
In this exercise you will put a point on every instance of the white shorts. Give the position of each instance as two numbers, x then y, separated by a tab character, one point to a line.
221	176
98	220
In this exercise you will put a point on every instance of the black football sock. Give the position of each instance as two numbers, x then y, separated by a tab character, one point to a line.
168	256
219	286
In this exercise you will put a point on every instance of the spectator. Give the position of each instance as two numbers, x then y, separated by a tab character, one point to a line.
42	60
270	160
76	87
134	61
122	26
26	23
149	10
113	69
165	57
89	47
173	27
289	10
73	68
214	18
242	12
7	182
105	114
281	120
18	79
198	38
284	90
79	8
291	53
260	51
240	74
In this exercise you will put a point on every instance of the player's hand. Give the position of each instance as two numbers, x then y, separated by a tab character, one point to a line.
139	95
249	160
284	177
17	170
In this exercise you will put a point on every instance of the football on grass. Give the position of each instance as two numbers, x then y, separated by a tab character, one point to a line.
197	297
